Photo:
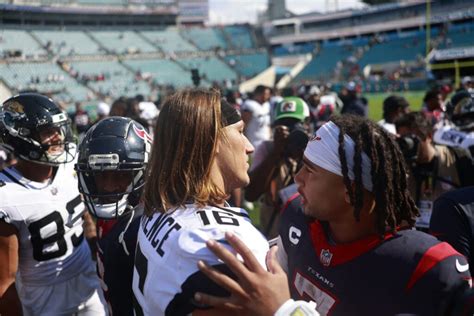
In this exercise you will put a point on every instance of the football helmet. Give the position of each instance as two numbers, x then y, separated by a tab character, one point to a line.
116	147
461	109
37	129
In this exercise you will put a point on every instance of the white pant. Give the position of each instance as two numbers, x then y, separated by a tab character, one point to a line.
80	295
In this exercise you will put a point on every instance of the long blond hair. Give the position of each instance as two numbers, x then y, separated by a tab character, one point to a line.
185	140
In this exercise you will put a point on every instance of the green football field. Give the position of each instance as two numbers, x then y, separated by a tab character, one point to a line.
414	98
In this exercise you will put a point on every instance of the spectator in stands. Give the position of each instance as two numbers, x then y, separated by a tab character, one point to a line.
353	103
393	108
435	169
256	116
277	161
80	120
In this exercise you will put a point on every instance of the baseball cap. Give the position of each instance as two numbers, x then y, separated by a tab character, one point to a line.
293	107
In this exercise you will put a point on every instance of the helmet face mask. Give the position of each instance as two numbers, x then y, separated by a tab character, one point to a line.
461	108
113	156
37	129
109	193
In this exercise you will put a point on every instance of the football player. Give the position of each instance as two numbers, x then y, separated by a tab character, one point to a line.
342	240
113	156
199	156
461	133
41	215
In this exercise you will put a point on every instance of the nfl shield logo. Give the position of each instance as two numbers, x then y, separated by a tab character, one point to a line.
325	257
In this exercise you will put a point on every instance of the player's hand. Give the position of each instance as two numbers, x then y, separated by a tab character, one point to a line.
258	291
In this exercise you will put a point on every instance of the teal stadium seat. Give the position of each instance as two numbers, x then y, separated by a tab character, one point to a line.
119	81
323	64
405	48
169	40
205	38
240	36
249	65
163	71
210	68
68	43
13	40
43	77
123	42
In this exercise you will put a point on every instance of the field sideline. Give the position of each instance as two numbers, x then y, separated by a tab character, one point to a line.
415	99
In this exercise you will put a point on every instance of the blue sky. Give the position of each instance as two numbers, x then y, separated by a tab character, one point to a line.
236	11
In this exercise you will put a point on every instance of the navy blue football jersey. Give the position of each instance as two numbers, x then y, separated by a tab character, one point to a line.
406	272
452	220
115	265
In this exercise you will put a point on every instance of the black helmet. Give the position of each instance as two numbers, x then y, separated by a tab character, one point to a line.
461	109
116	144
25	117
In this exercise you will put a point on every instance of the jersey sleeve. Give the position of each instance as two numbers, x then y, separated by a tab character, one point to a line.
440	272
192	248
450	223
10	215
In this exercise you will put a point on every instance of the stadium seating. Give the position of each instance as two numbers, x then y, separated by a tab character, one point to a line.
45	77
169	40
240	36
403	48
323	64
110	78
123	42
460	35
12	41
205	38
210	68
249	65
294	49
68	43
164	72
103	2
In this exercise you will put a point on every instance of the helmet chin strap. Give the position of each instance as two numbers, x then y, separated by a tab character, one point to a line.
122	234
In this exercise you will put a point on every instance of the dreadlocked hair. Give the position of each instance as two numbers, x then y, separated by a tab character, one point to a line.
393	203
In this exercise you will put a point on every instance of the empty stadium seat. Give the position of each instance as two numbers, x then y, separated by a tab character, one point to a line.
67	43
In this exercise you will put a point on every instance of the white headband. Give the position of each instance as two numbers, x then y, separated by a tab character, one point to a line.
323	151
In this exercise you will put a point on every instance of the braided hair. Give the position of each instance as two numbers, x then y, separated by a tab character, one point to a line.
393	203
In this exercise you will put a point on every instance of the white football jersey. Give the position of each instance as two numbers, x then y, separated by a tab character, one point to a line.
450	136
48	217
166	275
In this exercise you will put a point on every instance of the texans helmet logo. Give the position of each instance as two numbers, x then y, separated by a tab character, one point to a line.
142	133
